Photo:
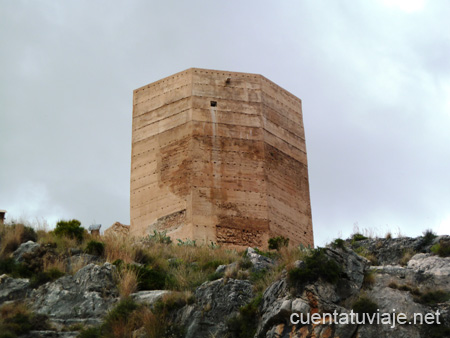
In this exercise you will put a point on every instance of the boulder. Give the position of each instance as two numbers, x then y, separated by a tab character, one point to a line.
83	298
13	288
427	263
216	302
25	248
259	262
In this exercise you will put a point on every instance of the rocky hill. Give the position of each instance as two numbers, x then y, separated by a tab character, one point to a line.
60	284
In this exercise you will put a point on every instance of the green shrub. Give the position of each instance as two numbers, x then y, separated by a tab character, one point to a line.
16	270
95	248
435	330
121	311
338	243
70	229
28	234
442	249
317	265
428	237
149	278
160	237
43	277
276	243
142	257
365	305
358	237
245	324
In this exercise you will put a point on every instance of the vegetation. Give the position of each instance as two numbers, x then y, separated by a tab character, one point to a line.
160	237
442	249
17	320
433	297
365	305
244	325
358	237
428	237
276	243
338	243
71	229
95	248
317	265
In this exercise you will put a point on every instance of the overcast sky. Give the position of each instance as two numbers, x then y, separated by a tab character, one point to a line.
374	78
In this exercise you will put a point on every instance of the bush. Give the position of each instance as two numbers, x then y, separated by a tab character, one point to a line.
358	237
317	265
43	277
276	243
428	237
338	243
365	305
149	278
245	324
70	229
442	249
95	248
16	270
142	257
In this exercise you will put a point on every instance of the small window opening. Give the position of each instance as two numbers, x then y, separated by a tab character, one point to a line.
213	103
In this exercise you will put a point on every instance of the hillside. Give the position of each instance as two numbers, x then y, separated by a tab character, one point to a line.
67	283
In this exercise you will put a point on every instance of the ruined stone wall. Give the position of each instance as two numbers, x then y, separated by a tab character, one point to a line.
219	156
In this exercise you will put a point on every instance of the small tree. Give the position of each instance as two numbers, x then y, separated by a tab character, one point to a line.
70	229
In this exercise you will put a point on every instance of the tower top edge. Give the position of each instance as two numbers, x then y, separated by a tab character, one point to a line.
193	70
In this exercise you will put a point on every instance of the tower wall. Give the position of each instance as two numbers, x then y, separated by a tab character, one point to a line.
219	156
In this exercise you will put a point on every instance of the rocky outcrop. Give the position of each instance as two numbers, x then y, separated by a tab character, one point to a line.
215	303
419	287
13	288
83	298
25	248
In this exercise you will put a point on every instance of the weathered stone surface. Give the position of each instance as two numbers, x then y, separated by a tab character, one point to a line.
427	263
85	297
216	302
13	288
219	157
149	297
259	262
25	248
118	230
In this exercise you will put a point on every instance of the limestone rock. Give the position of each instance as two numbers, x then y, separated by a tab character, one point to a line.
259	262
149	297
216	302
427	263
24	248
85	297
13	288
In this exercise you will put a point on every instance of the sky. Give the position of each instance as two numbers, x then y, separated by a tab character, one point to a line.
373	76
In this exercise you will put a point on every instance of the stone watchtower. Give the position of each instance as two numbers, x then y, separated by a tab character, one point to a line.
219	156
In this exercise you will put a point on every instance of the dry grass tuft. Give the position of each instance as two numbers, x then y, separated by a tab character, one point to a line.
128	282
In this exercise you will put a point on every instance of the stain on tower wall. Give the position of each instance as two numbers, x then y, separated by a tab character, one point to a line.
219	156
